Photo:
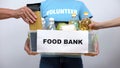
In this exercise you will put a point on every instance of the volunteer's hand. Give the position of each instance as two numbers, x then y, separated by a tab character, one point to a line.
91	54
27	48
96	50
94	25
26	14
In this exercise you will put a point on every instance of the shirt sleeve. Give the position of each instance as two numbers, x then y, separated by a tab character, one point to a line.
84	9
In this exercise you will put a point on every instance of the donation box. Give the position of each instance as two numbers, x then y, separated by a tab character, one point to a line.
57	41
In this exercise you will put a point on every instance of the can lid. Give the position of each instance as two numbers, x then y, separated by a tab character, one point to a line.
73	14
34	6
51	19
85	13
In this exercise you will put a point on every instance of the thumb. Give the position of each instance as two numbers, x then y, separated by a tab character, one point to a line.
91	26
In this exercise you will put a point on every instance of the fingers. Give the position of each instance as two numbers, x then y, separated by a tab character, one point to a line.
27	48
25	19
33	53
27	15
30	13
91	54
92	25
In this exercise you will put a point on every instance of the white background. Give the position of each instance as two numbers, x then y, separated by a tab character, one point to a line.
13	33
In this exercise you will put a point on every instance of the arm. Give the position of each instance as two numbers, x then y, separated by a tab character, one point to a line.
7	13
25	13
106	24
111	23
